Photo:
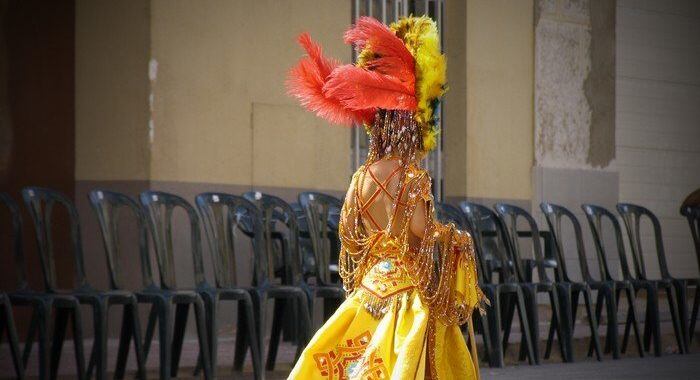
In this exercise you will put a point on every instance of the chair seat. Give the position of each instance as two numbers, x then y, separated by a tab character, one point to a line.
113	296
329	291
177	296
26	297
232	293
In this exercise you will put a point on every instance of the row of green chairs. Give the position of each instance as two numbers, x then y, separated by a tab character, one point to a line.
497	233
270	224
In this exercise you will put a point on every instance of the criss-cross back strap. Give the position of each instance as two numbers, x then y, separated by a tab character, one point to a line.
381	188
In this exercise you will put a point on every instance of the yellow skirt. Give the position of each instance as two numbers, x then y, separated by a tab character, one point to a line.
400	344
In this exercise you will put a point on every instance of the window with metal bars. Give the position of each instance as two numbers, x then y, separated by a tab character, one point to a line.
389	11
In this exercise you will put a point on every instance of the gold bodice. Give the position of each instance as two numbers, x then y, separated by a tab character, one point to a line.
382	264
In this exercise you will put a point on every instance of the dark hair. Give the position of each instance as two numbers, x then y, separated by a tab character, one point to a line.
394	134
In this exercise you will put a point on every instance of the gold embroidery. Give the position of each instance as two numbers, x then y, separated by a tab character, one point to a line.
348	361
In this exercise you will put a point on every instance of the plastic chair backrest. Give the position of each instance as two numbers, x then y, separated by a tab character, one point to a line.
595	215
40	202
447	213
16	237
159	207
480	218
554	215
692	213
510	215
322	215
224	215
107	206
632	215
275	210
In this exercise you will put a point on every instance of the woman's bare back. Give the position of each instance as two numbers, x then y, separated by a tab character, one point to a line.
379	186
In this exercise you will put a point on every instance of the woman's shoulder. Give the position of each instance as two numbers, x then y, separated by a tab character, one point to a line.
416	175
412	171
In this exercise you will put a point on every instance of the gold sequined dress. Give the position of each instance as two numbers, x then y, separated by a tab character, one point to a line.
408	294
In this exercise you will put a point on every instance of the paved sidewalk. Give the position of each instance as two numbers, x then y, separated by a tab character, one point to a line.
675	366
669	366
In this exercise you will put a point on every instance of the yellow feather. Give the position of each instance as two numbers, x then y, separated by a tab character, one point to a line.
421	37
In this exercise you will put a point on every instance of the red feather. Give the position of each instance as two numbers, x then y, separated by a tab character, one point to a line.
307	79
393	58
359	89
314	51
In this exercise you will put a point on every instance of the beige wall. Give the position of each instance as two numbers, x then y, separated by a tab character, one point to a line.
491	100
455	112
500	84
215	61
111	90
658	92
209	78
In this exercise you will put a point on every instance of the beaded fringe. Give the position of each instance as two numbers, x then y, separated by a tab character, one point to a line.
377	307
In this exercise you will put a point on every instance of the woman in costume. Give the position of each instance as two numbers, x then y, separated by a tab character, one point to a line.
410	280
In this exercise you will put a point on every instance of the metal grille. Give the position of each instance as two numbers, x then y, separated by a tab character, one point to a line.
389	11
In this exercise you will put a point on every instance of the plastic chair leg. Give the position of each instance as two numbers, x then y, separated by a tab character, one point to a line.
255	349
600	299
673	303
289	328
260	313
78	343
181	312
7	321
561	297
98	356
202	333
43	311
694	315
138	343
130	329
125	335
488	332
59	335
153	316
165	323
682	298
31	333
522	353
633	316
559	317
211	308
526	327
593	324
533	320
281	307
612	334
508	312
242	337
304	323
483	324
653	323
574	311
550	341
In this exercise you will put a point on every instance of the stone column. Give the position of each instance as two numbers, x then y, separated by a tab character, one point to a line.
574	111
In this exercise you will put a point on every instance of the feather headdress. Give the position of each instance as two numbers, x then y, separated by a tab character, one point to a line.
398	68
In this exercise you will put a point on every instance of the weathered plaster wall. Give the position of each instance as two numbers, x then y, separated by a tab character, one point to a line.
599	87
574	114
574	83
562	64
